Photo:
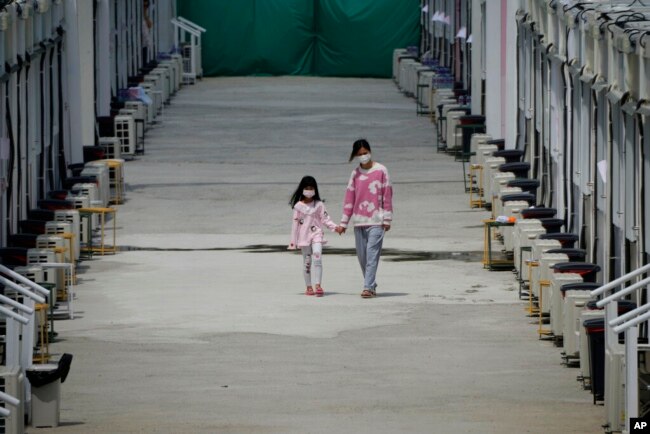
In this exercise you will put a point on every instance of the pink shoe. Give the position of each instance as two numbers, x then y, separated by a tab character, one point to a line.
319	292
309	291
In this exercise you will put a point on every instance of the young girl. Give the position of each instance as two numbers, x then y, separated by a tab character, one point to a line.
309	215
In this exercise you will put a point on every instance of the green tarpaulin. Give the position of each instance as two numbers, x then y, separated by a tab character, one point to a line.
303	37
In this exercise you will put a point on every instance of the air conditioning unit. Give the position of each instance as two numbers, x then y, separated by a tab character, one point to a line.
397	53
63	230
424	93
42	256
574	303
58	245
112	147
32	272
12	382
71	216
402	79
454	136
557	304
89	189
125	133
99	169
543	294
156	101
139	126
477	139
498	203
511	209
491	167
523	242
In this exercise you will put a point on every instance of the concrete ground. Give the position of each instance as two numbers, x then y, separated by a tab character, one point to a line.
199	325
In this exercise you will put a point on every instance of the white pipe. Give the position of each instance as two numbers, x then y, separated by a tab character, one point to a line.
11	314
8	398
614	283
623	292
4	412
24	280
620	319
22	290
17	305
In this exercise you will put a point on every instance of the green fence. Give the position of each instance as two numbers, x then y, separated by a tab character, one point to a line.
303	37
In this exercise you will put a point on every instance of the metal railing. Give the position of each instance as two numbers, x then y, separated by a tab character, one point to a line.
627	323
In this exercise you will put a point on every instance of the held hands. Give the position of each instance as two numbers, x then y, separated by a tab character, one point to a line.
339	230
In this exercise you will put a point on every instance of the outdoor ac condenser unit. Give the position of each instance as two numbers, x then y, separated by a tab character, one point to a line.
42	256
72	217
397	53
99	169
574	303
125	133
111	146
60	229
538	248
557	304
12	382
81	201
491	167
478	139
139	126
542	286
402	78
523	245
453	135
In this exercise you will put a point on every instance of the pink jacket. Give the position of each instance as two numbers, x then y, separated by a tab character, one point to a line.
368	198
308	221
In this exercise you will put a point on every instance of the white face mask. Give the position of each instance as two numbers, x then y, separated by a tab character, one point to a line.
363	159
308	193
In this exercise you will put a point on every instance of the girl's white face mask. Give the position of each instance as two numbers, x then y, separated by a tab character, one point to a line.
308	193
363	159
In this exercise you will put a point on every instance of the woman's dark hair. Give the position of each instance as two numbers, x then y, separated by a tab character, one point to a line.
361	143
306	181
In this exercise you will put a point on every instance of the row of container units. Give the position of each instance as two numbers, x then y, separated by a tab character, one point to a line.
561	170
84	81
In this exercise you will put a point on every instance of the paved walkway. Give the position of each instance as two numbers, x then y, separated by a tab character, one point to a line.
199	324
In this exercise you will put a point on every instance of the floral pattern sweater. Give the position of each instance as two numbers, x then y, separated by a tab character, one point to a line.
368	198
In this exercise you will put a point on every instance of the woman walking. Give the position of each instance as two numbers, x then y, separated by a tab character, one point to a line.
368	204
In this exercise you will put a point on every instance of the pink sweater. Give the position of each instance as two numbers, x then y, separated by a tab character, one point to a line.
368	198
308	221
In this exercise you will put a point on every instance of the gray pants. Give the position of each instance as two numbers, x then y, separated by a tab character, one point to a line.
312	264
368	240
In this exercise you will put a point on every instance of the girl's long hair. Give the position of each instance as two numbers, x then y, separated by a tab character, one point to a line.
306	181
357	145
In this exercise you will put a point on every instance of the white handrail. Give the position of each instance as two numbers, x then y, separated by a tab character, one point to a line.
22	290
9	399
634	312
11	314
191	24
35	286
614	283
185	27
623	292
626	325
17	305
